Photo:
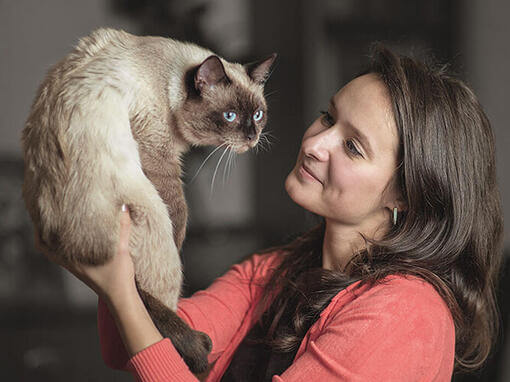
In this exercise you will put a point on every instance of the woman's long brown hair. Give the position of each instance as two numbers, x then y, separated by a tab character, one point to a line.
450	235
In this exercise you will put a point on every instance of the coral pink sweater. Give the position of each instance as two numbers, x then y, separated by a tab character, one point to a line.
397	330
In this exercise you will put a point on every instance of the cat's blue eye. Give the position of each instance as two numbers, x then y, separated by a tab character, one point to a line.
258	115
229	115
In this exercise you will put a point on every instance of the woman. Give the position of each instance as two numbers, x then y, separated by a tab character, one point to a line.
396	284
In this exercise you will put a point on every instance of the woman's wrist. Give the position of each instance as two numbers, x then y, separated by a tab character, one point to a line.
121	297
134	323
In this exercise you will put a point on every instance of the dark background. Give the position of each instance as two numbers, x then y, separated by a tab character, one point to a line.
48	325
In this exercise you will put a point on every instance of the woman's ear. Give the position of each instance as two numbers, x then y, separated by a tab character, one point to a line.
400	204
392	197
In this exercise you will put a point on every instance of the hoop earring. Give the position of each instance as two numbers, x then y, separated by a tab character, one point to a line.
395	215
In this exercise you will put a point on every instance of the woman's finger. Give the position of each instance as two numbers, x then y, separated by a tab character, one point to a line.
125	228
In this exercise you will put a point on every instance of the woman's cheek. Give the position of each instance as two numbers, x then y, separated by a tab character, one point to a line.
341	173
350	184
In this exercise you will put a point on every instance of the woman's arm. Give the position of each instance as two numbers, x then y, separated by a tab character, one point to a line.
127	332
219	311
133	322
151	358
228	304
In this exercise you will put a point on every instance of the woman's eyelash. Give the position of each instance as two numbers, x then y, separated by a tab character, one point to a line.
327	119
354	150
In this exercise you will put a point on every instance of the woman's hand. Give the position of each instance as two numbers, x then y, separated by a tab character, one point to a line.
113	280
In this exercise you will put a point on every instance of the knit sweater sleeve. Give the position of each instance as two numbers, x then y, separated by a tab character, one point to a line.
218	311
396	331
221	309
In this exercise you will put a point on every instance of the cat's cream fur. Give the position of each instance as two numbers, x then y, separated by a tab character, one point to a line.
98	129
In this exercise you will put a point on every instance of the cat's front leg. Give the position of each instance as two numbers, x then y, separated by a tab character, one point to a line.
192	345
169	186
158	276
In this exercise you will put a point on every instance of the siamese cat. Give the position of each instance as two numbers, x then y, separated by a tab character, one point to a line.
109	126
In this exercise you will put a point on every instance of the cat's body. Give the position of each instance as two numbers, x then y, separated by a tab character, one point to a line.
108	126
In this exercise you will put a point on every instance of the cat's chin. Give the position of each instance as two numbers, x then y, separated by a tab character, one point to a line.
242	148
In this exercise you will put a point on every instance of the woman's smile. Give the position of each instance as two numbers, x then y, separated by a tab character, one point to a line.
308	174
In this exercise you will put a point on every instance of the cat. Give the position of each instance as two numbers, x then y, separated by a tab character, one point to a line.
109	126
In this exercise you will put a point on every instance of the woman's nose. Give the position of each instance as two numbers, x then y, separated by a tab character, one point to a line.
318	145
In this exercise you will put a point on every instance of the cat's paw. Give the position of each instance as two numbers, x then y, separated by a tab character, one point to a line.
192	345
194	348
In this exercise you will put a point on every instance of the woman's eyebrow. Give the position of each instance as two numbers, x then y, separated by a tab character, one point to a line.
357	132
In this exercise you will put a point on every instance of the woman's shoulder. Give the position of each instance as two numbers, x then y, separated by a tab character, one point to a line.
404	296
258	264
409	289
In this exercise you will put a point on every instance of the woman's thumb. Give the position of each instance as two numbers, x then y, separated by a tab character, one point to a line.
125	227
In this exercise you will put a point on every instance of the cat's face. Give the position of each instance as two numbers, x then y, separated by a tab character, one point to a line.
225	107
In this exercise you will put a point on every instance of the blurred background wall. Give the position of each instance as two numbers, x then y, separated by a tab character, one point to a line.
47	318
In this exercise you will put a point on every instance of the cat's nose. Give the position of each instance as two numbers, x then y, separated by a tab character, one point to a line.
250	131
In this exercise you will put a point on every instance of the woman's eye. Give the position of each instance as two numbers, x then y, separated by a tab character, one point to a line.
327	120
257	116
352	147
229	116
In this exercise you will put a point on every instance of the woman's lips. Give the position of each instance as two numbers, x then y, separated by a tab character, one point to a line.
308	174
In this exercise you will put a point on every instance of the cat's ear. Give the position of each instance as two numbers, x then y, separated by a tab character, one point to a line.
209	73
259	70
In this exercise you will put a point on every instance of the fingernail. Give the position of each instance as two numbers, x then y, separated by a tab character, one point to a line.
124	208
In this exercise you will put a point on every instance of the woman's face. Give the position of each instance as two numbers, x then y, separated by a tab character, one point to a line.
348	157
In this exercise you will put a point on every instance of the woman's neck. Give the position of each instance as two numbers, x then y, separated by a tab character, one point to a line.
341	242
339	246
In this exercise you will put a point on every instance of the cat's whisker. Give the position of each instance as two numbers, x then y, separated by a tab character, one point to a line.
264	146
231	162
226	164
216	169
225	169
268	141
270	137
270	93
234	161
203	163
264	142
260	146
268	133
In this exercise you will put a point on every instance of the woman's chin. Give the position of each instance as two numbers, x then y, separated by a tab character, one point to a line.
295	190
290	183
